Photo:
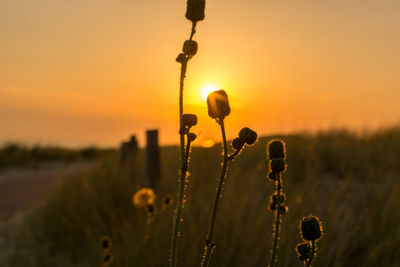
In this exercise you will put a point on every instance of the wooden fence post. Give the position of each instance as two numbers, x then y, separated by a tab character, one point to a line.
152	157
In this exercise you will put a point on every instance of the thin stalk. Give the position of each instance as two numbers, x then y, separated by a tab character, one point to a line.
312	253
210	244
277	224
184	166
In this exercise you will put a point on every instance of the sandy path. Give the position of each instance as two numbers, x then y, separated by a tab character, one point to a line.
21	189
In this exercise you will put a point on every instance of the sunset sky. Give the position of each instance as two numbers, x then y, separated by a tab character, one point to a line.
94	72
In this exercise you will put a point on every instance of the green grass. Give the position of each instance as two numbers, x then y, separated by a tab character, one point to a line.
351	182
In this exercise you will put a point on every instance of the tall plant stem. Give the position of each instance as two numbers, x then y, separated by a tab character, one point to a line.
210	244
277	223
312	253
184	158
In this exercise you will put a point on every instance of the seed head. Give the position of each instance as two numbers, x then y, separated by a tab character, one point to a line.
218	105
248	135
237	143
191	137
189	120
277	165
272	206
282	198
195	10
144	197
190	48
310	228
303	251
276	149
181	58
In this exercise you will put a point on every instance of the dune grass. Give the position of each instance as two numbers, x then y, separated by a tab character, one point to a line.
350	181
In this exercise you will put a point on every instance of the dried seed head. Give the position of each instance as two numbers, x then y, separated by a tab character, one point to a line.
195	10
276	149
191	137
237	143
273	176
181	58
283	209
277	165
248	135
190	48
282	198
189	120
105	242
303	251
218	105
310	228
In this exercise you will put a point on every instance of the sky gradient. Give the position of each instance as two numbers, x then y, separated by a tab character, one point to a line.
94	72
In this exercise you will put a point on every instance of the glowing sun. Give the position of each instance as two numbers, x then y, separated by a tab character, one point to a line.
208	89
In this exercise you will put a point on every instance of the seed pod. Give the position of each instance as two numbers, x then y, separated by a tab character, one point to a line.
218	105
276	149
191	137
248	135
237	143
195	10
311	229
272	206
273	176
189	120
282	198
181	58
277	165
190	47
283	209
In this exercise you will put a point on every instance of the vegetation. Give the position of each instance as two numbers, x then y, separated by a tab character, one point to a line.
350	181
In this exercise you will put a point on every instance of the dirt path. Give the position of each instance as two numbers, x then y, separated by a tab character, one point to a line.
21	189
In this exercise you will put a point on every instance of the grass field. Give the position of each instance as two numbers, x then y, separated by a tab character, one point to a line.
350	181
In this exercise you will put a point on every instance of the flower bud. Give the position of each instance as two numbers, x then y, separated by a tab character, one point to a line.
272	206
277	165
273	176
195	10
181	58
310	228
218	105
276	149
237	143
190	47
303	251
248	135
191	137
283	209
189	120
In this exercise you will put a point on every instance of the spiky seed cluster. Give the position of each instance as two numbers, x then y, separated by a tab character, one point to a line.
311	232
218	105
195	10
311	229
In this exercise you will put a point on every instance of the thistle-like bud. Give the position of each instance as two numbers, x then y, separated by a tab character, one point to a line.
276	149
218	105
191	137
311	229
283	209
303	251
237	143
190	47
248	135
181	58
189	120
277	165
281	198
195	10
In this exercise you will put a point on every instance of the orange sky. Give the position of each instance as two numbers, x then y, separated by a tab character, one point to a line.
93	72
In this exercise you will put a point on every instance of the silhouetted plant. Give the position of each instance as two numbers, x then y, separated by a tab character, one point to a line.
277	165
311	231
218	109
194	13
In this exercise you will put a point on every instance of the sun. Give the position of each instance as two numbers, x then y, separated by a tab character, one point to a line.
208	89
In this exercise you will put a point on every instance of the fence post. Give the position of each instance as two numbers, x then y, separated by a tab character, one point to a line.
152	157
